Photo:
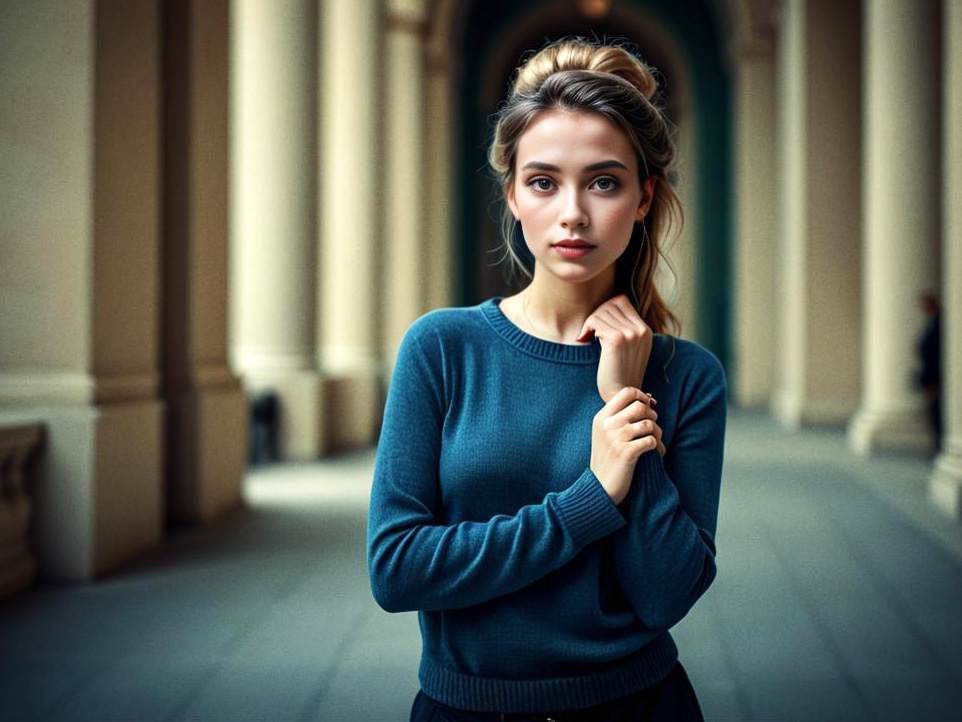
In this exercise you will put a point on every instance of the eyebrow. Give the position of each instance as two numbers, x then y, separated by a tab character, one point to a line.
603	165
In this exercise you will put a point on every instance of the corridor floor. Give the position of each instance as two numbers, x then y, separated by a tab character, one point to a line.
839	596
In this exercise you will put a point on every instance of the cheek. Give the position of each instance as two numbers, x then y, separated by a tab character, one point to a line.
531	211
620	217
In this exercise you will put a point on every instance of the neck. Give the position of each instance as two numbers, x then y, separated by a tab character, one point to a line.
558	309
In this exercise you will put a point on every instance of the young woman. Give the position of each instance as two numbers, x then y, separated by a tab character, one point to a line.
547	478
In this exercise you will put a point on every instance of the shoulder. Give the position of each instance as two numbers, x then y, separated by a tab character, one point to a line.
682	358
694	376
697	388
443	324
443	334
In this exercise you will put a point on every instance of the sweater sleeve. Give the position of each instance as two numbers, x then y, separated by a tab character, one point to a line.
665	556
417	562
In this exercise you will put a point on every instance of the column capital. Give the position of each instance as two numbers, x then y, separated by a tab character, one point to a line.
755	25
438	63
406	16
758	47
945	483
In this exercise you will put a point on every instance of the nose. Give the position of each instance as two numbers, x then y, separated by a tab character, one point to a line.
573	211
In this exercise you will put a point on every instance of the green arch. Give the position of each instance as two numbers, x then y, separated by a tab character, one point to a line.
699	36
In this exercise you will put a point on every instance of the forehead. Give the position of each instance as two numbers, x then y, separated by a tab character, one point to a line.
571	139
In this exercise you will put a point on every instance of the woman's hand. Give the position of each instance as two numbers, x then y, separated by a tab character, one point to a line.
625	345
622	431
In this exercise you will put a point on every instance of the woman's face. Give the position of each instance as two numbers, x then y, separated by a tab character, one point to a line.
576	182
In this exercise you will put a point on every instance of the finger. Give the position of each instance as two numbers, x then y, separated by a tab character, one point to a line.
638	429
656	431
589	328
629	316
635	412
619	313
628	417
643	444
626	395
603	329
658	435
617	318
614	318
625	326
625	306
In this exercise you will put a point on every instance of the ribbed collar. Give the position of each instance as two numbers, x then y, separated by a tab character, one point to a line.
549	350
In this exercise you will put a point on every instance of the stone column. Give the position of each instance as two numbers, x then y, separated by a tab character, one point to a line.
755	217
678	284
442	259
945	485
901	211
403	249
80	275
817	380
350	220
274	212
207	420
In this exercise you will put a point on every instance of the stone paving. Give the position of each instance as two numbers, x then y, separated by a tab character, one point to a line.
839	597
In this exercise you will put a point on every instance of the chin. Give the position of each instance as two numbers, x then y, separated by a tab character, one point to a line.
574	275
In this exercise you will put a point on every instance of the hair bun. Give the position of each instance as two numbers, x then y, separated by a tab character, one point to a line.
583	55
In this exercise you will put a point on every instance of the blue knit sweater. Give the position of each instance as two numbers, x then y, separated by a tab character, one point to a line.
535	592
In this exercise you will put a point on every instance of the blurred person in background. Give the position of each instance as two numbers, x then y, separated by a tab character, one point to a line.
930	351
547	522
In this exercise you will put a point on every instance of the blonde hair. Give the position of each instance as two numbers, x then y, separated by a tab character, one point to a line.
585	76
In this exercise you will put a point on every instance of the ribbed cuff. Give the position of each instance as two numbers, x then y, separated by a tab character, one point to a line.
588	511
651	467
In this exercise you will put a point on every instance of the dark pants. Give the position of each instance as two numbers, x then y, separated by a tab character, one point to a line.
672	699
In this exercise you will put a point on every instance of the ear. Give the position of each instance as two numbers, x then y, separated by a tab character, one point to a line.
647	196
512	203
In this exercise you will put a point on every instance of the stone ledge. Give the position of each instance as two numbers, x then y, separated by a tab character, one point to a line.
18	565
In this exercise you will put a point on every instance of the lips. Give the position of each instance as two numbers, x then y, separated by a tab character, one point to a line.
573	252
574	244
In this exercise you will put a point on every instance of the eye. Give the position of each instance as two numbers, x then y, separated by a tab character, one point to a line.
606	184
541	183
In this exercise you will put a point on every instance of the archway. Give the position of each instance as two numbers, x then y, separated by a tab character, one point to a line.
685	41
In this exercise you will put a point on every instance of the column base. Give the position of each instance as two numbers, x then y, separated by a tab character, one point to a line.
902	430
945	484
206	453
794	412
300	396
98	498
352	406
785	410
